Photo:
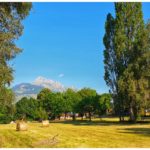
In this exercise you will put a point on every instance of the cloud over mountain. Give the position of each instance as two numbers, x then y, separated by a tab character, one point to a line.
48	83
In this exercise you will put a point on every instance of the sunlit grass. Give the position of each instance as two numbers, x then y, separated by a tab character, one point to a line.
105	133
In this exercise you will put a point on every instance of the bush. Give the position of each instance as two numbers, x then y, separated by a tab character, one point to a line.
5	118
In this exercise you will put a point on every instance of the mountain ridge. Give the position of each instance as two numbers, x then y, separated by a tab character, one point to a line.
32	89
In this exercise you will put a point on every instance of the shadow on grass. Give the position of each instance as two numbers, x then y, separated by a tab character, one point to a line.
95	123
140	131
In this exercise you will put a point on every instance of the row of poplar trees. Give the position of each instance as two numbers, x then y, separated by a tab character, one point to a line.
11	28
127	59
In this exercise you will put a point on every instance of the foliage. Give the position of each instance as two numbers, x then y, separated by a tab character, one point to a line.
57	105
126	47
86	105
43	94
41	114
103	104
27	108
71	100
7	107
11	15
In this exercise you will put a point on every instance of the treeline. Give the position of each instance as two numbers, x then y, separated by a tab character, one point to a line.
51	105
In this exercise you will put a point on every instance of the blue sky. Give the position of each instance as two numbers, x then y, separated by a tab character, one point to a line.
64	42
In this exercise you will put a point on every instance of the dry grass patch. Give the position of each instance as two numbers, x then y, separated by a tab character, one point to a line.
77	134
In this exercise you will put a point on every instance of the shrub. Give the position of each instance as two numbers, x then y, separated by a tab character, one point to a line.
5	118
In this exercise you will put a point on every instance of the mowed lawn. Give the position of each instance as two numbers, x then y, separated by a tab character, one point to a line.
107	133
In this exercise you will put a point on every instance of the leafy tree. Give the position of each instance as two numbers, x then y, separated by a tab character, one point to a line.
43	93
42	96
80	108
110	61
7	107
146	62
52	103
71	100
109	54
67	101
28	108
57	105
125	47
11	15
86	105
41	114
103	104
129	52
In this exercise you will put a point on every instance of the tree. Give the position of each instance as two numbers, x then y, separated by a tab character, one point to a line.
109	54
71	100
111	75
7	107
29	109
11	15
103	104
40	114
147	65
128	38
86	105
57	105
43	93
67	101
43	97
129	52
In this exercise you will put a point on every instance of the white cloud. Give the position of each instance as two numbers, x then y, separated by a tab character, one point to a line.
61	75
48	83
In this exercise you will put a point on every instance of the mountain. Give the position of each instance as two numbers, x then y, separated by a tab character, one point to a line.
32	89
26	88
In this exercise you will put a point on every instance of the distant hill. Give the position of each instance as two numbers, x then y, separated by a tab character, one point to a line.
32	89
26	89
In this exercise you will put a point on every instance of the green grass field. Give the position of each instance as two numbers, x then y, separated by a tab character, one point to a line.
107	133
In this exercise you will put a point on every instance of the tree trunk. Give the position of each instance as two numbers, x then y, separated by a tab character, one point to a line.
132	116
59	117
82	116
121	118
90	116
121	115
73	117
65	116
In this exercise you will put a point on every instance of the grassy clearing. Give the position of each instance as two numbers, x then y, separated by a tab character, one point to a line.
105	133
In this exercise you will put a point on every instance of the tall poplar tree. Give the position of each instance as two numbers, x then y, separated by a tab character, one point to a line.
130	45
111	73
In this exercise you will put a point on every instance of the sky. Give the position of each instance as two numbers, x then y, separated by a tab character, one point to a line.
64	42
